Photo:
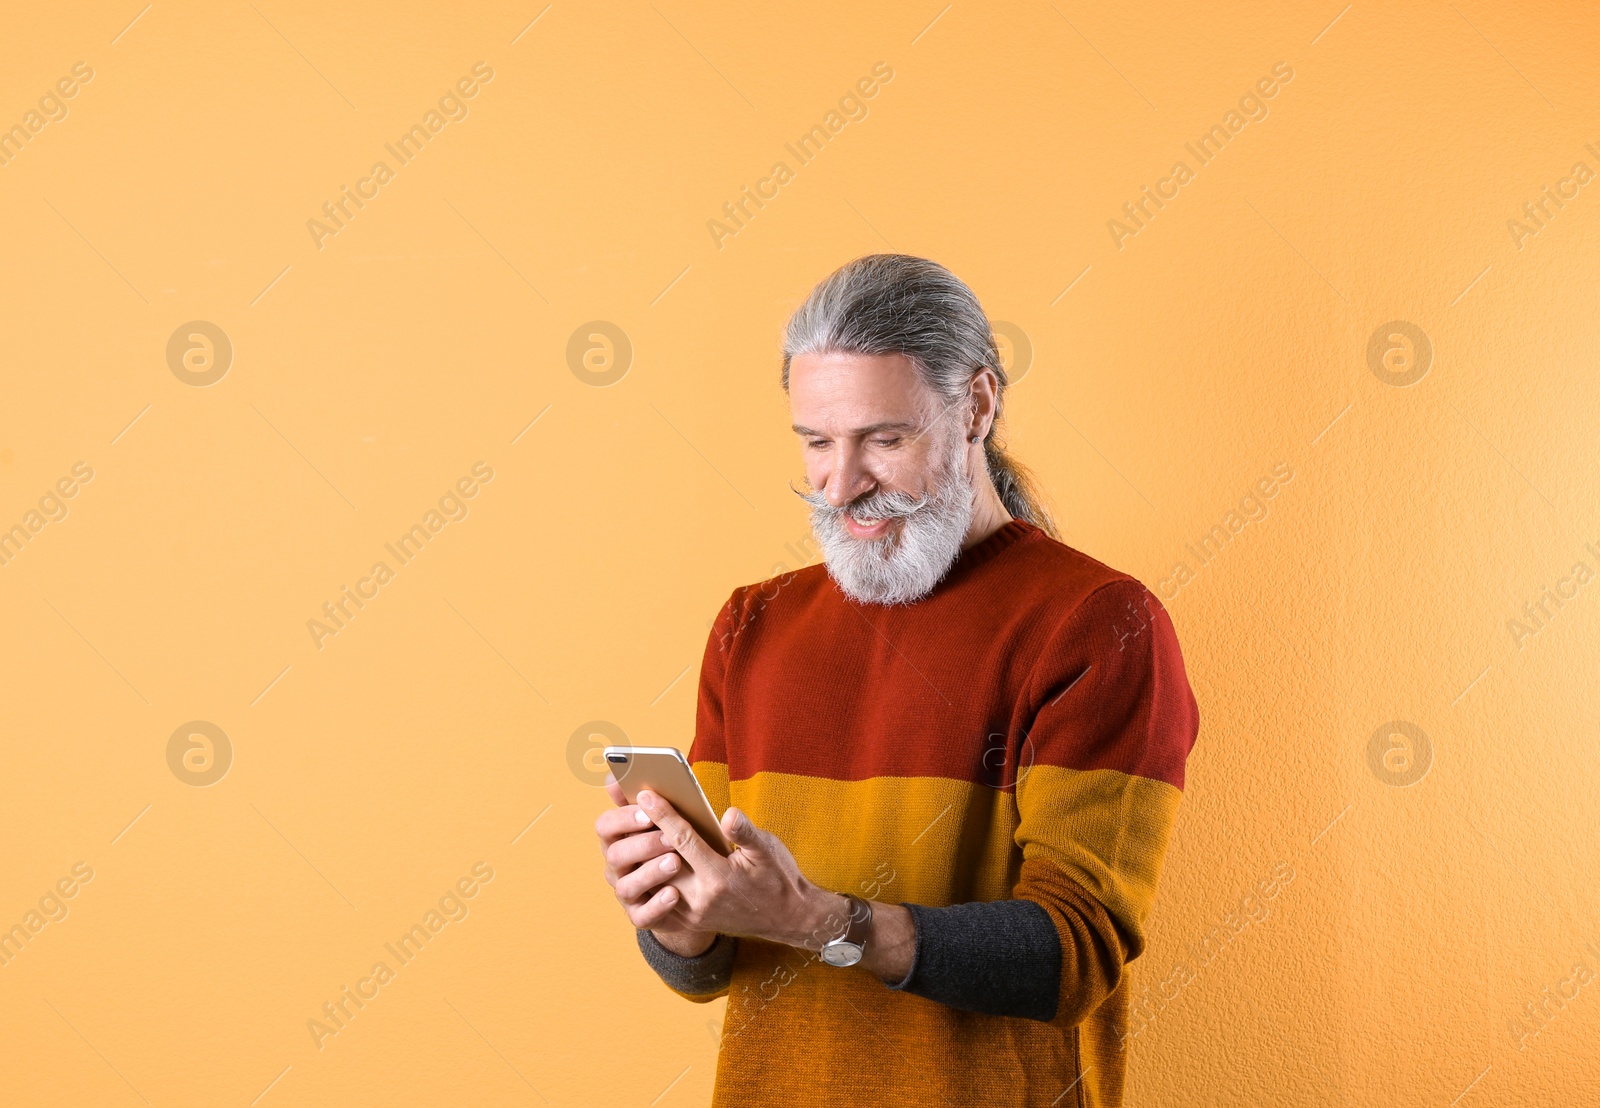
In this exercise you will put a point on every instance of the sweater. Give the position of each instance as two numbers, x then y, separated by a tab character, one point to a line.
1005	758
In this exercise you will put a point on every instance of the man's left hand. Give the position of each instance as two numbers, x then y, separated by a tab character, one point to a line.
757	891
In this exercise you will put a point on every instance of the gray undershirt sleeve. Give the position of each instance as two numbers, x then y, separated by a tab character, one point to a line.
1001	958
703	974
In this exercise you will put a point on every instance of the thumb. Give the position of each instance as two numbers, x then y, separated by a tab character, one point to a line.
740	831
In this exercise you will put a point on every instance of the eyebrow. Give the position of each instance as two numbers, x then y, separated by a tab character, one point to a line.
870	429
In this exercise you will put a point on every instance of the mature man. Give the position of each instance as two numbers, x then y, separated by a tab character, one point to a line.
951	757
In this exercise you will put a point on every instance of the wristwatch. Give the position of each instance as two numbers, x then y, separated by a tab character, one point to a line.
850	947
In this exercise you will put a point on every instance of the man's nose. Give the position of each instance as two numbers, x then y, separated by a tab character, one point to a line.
849	480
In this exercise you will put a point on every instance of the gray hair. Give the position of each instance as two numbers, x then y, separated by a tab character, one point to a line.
900	304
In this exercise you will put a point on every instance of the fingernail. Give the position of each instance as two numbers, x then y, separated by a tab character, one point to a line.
647	800
640	817
669	862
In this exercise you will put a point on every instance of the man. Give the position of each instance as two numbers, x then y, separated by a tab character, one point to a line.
950	757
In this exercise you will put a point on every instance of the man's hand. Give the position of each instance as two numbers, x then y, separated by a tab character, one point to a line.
758	891
633	848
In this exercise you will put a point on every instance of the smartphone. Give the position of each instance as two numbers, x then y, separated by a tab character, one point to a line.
665	771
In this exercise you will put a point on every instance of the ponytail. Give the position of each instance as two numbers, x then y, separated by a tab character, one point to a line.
1016	486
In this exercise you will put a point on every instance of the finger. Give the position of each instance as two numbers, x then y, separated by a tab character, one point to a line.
655	910
614	790
613	874
614	823
635	885
739	830
680	833
634	850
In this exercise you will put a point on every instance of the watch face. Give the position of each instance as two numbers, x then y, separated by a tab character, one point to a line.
841	954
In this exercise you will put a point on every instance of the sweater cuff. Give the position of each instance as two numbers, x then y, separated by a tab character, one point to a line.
703	974
1001	958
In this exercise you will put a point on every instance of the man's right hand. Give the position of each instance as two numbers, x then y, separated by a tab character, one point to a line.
635	849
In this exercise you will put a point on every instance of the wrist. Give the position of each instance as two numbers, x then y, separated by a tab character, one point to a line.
821	917
686	944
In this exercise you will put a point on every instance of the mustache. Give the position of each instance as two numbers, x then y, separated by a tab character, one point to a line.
878	505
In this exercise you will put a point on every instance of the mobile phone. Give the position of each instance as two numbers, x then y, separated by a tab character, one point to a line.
666	772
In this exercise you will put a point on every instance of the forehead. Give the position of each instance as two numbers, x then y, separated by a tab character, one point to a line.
843	391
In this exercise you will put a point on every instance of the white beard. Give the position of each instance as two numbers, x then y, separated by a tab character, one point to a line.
904	565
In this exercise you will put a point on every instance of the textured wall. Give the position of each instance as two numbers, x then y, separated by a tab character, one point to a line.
1381	886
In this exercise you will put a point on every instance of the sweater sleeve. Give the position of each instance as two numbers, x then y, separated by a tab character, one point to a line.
701	978
708	753
1099	781
1098	778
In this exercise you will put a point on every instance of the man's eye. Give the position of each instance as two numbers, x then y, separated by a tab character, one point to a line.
817	444
885	442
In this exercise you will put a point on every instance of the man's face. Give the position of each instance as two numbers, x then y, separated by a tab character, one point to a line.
892	501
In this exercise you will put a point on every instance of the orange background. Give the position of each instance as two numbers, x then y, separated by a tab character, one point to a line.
435	731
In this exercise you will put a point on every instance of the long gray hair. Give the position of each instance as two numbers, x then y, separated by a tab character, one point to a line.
900	304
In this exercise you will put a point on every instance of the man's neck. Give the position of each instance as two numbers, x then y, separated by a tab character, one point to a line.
988	514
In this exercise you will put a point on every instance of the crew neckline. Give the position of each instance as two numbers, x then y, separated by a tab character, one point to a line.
1007	535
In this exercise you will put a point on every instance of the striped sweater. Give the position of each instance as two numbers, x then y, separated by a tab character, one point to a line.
1004	757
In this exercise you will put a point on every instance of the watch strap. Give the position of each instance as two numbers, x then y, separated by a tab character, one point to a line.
860	920
855	932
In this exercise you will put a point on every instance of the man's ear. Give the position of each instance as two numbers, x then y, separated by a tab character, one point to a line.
984	391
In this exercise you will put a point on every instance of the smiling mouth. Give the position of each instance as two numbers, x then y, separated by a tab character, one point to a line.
867	527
